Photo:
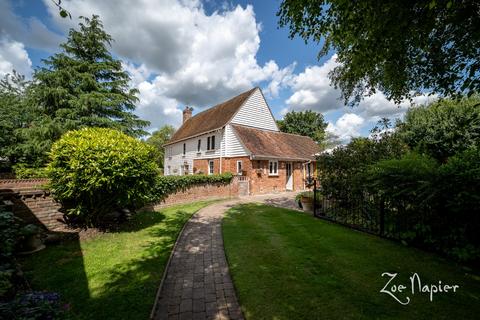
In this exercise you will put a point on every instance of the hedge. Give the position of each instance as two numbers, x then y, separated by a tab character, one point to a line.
167	185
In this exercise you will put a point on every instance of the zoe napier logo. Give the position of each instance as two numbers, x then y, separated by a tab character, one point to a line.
402	292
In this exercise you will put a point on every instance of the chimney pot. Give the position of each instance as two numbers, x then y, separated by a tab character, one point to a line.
187	113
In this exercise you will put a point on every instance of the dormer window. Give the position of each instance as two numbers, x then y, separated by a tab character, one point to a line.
211	143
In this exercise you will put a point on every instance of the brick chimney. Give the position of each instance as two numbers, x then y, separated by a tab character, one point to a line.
187	113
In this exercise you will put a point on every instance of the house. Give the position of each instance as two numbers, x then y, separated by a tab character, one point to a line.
241	136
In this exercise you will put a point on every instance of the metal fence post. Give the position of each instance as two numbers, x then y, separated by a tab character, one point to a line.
382	217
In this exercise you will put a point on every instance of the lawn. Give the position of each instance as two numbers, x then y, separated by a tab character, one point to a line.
114	275
287	265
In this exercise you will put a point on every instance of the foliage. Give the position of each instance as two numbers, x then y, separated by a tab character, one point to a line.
435	205
82	86
308	194
306	123
408	178
95	171
23	171
404	48
158	139
340	170
34	306
9	229
275	253
443	128
14	115
166	185
97	275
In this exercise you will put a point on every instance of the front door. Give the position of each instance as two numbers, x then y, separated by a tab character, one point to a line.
288	168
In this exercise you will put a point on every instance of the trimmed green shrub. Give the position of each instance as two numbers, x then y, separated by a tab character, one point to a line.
166	185
95	171
24	172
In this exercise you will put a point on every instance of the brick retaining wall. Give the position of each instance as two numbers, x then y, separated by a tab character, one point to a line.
201	192
32	202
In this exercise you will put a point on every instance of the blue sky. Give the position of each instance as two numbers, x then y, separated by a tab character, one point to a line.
197	53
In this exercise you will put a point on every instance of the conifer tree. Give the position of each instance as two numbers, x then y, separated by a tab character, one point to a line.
82	86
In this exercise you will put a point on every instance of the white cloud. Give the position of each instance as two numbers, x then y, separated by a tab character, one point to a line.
312	90
199	59
30	31
346	127
184	56
13	56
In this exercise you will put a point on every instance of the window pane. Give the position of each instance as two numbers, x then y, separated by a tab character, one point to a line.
199	144
208	143
275	167
213	142
184	148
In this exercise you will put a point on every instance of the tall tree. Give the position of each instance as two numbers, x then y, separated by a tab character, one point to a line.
82	86
158	139
443	128
306	123
14	114
399	47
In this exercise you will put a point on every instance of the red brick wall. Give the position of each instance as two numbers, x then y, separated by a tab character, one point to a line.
31	202
203	192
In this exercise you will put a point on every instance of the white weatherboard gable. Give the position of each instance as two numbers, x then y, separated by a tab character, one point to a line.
255	113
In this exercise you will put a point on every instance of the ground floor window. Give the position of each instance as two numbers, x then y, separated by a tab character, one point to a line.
239	167
273	167
210	167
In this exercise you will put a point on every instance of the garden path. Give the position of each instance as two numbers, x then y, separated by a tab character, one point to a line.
197	283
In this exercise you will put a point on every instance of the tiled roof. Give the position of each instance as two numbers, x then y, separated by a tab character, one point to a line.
210	119
273	144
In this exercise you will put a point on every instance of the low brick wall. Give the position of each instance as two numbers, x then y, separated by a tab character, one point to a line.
202	192
32	202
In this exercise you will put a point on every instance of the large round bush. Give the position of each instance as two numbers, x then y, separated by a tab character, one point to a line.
95	171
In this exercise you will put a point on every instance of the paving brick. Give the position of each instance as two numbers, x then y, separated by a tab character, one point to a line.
198	281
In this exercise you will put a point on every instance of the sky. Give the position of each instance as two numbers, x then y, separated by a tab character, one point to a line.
196	53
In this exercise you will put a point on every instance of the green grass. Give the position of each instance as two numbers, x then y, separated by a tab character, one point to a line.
287	265
114	275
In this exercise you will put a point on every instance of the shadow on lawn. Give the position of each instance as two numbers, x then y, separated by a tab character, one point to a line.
131	287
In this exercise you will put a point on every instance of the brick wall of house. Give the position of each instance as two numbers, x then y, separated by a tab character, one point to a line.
32	202
259	182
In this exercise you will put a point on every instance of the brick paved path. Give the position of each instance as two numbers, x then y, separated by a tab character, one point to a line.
198	283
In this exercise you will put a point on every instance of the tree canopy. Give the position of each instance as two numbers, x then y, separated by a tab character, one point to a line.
306	123
14	114
158	139
82	86
399	47
443	128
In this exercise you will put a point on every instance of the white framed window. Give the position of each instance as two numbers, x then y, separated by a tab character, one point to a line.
184	148
273	168
239	167
199	145
210	166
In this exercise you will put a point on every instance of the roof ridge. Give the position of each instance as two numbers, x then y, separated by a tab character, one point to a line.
223	102
211	119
